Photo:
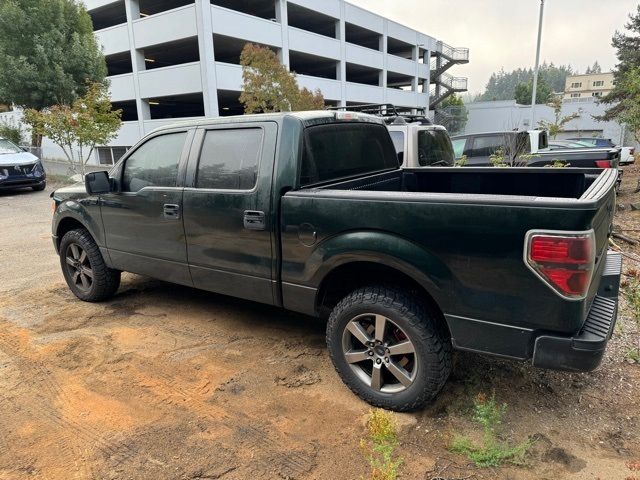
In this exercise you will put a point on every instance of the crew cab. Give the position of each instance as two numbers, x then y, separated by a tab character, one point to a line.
311	212
529	148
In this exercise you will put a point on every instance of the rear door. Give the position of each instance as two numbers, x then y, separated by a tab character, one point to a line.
227	206
143	217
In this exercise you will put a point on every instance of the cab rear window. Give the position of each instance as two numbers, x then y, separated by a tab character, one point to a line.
342	150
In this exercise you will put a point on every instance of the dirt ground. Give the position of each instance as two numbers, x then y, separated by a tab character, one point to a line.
168	382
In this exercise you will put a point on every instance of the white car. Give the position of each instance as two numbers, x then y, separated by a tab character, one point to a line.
20	169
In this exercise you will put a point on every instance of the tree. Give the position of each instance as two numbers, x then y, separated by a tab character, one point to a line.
594	69
452	114
555	127
48	53
524	92
78	128
12	131
623	101
270	87
502	85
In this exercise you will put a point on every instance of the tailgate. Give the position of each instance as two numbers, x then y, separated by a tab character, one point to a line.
603	193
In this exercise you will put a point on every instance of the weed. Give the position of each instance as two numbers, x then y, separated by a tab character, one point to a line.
558	164
462	161
491	452
631	291
497	158
380	444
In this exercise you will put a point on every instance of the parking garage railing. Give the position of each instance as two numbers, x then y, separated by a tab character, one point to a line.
457	54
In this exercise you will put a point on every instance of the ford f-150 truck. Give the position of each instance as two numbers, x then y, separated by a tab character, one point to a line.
311	212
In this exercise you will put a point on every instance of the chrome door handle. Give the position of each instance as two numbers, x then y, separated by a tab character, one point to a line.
171	210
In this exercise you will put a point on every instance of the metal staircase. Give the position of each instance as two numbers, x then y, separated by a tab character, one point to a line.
442	59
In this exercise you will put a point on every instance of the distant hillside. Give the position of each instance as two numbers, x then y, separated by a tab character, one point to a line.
502	85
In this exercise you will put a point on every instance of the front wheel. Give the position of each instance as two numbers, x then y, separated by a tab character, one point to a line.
84	269
388	349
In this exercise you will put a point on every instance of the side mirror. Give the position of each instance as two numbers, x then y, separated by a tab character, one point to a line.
97	183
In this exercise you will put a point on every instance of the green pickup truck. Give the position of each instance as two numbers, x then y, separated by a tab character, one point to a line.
311	212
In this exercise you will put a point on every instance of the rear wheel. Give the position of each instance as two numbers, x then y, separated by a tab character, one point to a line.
84	269
388	349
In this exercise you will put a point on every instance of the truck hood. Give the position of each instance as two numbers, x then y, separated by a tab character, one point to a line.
77	190
22	158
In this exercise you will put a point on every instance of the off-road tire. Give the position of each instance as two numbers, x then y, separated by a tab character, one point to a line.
106	281
427	333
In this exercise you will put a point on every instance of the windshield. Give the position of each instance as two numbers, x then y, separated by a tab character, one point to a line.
8	147
341	150
435	149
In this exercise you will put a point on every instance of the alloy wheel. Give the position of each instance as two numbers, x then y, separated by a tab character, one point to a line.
380	353
78	267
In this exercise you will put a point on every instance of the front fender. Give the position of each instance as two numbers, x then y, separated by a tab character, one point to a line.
381	248
85	211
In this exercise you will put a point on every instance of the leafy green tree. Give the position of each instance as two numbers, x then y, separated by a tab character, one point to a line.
48	53
270	87
452	114
12	131
524	92
623	98
555	127
79	128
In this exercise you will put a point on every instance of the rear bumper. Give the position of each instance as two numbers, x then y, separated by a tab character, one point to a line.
584	351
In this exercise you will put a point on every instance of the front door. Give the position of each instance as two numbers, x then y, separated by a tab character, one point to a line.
227	210
143	218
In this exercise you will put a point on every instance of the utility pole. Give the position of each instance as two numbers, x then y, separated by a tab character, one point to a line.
537	68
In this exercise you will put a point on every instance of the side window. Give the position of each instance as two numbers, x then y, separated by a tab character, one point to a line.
486	146
154	164
229	159
458	147
398	143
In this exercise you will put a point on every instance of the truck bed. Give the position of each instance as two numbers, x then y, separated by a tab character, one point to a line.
464	229
515	184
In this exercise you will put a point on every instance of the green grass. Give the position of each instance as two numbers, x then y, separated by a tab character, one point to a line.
490	452
380	444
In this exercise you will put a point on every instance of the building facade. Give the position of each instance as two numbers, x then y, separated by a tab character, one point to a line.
176	59
588	85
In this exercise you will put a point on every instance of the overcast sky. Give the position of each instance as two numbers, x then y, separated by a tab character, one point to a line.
502	33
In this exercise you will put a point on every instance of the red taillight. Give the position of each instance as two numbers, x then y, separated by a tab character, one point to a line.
564	261
603	163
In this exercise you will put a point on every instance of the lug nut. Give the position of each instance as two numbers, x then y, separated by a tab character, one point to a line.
386	359
370	353
378	361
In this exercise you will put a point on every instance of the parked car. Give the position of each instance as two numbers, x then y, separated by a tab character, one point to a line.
311	212
417	140
627	156
564	144
19	169
479	147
